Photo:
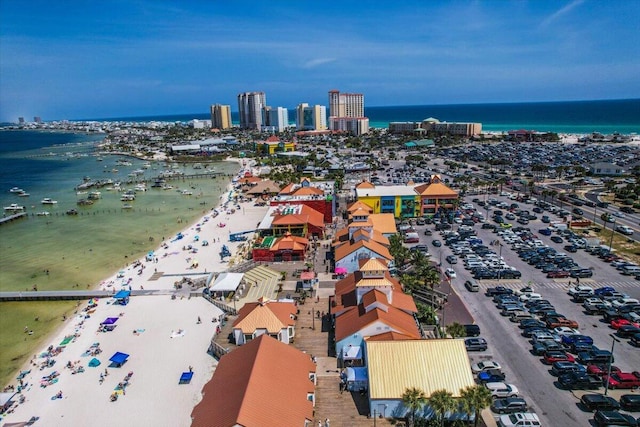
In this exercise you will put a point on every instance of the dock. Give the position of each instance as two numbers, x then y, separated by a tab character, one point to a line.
12	217
80	295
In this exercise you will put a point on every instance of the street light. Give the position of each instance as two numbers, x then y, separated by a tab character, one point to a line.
500	260
613	343
613	230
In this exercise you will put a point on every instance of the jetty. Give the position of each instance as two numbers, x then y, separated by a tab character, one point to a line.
12	217
81	295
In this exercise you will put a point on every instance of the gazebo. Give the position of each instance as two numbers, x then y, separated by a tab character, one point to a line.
118	359
122	297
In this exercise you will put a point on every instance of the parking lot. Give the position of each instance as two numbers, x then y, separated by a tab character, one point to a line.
506	345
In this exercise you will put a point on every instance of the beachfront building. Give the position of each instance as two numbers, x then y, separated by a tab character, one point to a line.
264	383
221	116
275	119
346	113
274	318
369	303
274	145
429	365
318	195
437	127
296	219
311	117
250	109
279	249
409	201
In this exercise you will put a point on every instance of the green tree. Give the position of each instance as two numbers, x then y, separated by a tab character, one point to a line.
474	399
456	330
442	402
414	399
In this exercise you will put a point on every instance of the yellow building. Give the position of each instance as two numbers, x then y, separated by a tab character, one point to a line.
273	145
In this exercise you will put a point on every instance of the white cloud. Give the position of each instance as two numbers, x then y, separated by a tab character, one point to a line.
554	16
318	61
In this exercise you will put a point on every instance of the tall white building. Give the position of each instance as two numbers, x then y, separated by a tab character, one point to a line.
311	118
250	106
275	119
346	112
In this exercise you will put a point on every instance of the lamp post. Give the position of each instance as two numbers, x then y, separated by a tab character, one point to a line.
500	260
613	344
613	230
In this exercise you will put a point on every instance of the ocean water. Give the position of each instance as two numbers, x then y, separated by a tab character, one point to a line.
60	251
580	117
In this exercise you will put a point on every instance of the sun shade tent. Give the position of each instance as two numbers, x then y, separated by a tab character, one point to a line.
227	282
357	379
185	378
118	359
122	297
341	270
94	362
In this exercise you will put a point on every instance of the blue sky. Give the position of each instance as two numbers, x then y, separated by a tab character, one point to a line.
91	59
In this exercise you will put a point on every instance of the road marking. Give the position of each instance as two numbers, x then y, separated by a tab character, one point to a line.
485	284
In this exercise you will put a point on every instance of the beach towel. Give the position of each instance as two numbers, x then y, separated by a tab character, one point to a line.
66	341
177	334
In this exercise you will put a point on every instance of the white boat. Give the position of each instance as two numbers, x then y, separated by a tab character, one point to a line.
127	197
140	187
14	207
48	201
94	195
16	190
127	206
43	213
23	194
186	192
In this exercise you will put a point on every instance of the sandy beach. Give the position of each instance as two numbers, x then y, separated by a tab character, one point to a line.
160	333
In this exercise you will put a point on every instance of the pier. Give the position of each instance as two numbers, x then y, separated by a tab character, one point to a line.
12	217
81	295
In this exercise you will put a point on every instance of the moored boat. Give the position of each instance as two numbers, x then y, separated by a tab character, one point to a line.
14	207
43	213
48	201
16	190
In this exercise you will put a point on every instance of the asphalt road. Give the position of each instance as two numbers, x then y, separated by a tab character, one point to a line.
555	407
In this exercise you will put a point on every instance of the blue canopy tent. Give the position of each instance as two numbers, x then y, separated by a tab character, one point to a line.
185	378
94	363
118	359
108	324
357	379
122	297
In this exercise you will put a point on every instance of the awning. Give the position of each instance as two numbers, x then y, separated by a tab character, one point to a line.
109	321
122	294
358	374
119	358
352	353
340	270
227	282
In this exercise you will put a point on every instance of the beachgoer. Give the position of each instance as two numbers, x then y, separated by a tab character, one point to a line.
190	368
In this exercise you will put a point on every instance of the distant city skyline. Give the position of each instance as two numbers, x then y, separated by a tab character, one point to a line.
83	60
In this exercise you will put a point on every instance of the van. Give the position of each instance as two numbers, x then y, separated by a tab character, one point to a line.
630	270
517	316
506	311
471	286
411	238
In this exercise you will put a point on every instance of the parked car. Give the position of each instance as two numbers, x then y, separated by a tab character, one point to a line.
521	419
484	365
501	390
614	418
554	322
630	402
598	402
491	376
472	330
551	356
498	290
628	331
601	369
437	243
509	405
564	367
475	344
629	380
595	356
574	380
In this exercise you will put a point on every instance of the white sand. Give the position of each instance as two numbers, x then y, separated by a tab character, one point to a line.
153	397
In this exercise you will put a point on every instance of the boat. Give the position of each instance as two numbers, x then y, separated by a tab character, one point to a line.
146	165
14	207
140	187
23	194
84	202
48	201
127	197
72	212
43	213
94	195
127	206
186	192
16	190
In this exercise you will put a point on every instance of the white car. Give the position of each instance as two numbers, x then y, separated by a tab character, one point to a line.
565	330
499	390
520	419
530	297
450	272
624	301
484	365
618	214
580	289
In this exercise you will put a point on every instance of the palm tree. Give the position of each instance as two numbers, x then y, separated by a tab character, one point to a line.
475	399
414	399
442	402
456	330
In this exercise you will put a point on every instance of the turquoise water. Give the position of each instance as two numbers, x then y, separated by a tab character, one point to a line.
582	117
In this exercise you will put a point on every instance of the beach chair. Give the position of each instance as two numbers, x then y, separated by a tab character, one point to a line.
185	378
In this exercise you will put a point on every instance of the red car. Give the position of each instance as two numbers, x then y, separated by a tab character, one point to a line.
601	370
557	274
618	323
557	356
623	380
